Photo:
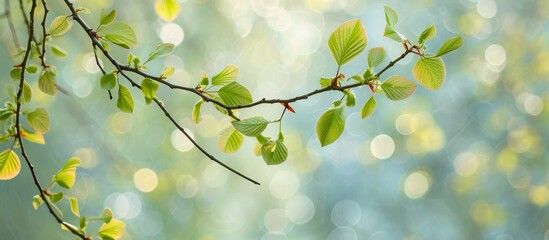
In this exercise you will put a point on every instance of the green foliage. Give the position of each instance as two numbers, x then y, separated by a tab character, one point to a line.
67	175
39	120
109	81
119	33
391	18
149	88
112	230
47	83
330	125
376	56
167	72
347	41
350	98
27	93
167	10
125	99
106	19
59	26
428	33
430	72
230	140
58	51
234	94
274	152
160	50
251	127
450	45
56	197
15	73
37	201
227	75
32	69
398	88
196	111
74	206
368	108
10	166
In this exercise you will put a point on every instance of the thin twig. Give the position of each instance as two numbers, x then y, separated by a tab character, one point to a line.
19	129
44	34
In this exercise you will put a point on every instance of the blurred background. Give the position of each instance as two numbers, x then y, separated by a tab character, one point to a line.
466	162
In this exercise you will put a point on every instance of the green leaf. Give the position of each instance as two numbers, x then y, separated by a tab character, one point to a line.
390	15
376	56
67	175
106	215
251	127
350	99
230	140
125	99
56	197
83	223
368	108
227	75
368	74
59	26
149	88
428	33
74	206
35	137
108	81
196	111
347	41
27	93
330	125
119	33
9	164
392	33
160	50
105	45
167	10
450	45
58	51
106	19
398	88
113	230
167	72
39	120
15	74
32	69
325	82
219	108
430	72
37	201
46	82
234	94
274	152
357	78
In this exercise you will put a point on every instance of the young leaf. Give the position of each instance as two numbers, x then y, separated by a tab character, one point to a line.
167	72
58	51
196	111
31	69
106	19
119	33
450	45
160	50
56	197
325	82
35	137
227	75
37	201
9	164
392	33
125	99
108	81
350	99
219	108
230	140
113	230
234	94
251	127
376	56
74	206
368	74
27	93
430	72
39	120
368	108
398	88
46	82
106	215
83	223
59	26
274	152
347	41
390	15
167	10
67	175
15	73
149	88
428	33
330	125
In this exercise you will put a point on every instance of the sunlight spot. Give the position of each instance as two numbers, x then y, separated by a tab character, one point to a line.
382	146
145	180
187	186
466	164
487	8
417	184
180	142
275	220
172	33
284	184
406	124
495	55
300	209
121	123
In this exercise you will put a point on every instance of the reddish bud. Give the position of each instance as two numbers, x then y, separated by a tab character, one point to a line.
287	106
